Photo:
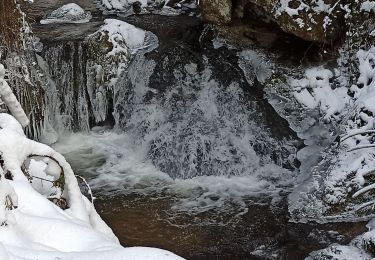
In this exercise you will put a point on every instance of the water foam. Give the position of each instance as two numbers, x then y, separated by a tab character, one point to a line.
112	165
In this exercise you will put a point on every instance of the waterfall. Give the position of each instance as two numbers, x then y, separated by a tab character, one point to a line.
192	116
188	108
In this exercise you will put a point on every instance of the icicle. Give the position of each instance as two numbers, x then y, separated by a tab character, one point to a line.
11	101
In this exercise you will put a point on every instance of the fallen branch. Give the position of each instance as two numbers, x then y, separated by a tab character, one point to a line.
342	139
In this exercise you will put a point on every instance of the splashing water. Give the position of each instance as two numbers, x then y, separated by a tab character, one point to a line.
188	125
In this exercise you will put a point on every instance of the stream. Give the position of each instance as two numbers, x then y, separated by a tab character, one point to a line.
192	158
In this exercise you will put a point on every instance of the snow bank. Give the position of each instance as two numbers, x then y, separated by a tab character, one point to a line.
344	174
69	13
37	228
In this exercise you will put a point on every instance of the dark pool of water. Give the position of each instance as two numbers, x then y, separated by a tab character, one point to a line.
264	232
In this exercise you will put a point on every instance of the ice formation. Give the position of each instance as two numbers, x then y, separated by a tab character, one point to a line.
7	96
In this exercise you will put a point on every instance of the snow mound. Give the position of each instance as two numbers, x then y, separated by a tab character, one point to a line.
69	13
315	90
33	227
368	6
122	34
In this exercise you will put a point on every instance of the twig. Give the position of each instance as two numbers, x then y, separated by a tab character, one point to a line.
361	147
359	133
364	190
364	205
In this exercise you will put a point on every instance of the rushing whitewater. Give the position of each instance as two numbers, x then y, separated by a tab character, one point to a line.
187	121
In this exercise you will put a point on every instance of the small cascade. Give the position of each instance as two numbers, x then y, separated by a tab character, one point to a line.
194	113
188	107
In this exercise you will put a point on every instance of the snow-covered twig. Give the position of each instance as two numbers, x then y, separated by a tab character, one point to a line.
361	147
364	190
364	205
358	133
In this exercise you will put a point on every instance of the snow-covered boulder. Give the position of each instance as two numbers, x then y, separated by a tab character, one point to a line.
311	20
69	13
123	5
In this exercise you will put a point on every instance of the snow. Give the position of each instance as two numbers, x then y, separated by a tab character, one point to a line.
368	6
315	90
343	174
122	32
317	6
160	7
121	5
284	7
69	13
37	228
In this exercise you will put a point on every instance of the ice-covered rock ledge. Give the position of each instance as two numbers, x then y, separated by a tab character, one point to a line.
43	214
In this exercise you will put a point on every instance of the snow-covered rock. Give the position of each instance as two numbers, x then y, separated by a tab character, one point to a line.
123	35
122	5
69	13
161	7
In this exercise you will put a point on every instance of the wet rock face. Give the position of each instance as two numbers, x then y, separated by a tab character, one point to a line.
310	20
217	11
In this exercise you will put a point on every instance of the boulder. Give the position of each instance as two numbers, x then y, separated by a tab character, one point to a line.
311	21
315	21
216	11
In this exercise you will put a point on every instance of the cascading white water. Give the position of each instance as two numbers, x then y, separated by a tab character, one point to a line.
196	126
185	126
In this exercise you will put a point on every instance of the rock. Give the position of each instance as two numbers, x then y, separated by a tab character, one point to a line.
309	20
216	11
137	7
69	13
